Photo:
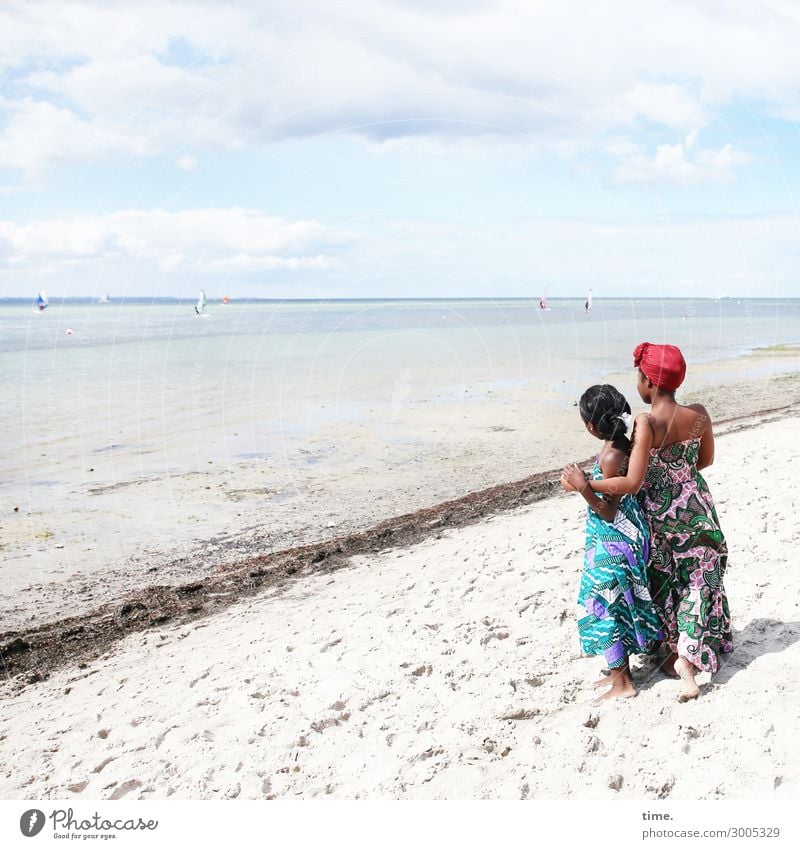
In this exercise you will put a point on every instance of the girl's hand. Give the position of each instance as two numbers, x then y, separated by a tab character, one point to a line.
572	478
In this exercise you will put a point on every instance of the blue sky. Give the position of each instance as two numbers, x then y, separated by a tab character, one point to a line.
382	148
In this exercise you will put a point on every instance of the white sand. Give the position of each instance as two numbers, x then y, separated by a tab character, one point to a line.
450	669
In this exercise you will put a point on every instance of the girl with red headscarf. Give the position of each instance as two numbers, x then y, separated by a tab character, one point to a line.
688	551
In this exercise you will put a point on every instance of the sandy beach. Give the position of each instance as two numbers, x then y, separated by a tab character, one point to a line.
448	668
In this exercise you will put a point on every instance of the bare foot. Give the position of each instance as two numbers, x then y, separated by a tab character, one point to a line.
629	692
686	672
620	685
667	666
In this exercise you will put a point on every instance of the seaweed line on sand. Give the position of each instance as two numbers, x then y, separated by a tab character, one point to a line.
28	656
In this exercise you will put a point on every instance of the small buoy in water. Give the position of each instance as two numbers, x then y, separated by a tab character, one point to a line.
69	331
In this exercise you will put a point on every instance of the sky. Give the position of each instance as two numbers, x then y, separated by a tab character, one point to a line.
400	148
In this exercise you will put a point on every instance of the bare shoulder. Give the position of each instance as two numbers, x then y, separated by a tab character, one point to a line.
643	433
612	461
703	417
643	423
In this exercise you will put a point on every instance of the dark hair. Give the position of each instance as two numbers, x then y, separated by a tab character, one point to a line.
603	406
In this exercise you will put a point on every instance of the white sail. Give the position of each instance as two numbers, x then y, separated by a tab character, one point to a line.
588	304
106	299
201	304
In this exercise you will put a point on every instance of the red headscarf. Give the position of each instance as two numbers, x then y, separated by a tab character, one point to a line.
663	364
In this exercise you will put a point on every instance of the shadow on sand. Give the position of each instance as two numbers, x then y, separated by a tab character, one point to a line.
759	637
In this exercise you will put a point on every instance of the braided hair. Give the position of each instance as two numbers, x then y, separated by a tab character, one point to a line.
606	408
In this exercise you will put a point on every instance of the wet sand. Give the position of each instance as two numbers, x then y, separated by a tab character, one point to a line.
74	549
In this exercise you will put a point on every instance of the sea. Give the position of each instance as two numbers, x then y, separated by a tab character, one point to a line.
165	390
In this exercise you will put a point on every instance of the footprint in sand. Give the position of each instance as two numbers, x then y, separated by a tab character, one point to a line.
321	724
615	782
569	693
593	744
494	635
371	701
521	713
663	790
331	644
161	737
125	788
199	678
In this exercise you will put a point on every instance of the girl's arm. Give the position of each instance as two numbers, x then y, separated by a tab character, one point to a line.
637	466
572	479
703	424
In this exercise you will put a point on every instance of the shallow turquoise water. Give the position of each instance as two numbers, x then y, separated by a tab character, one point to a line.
160	389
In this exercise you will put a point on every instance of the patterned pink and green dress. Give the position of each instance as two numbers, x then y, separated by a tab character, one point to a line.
688	555
616	617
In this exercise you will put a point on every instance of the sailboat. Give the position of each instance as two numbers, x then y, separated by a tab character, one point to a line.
225	299
105	299
201	304
41	300
543	300
588	305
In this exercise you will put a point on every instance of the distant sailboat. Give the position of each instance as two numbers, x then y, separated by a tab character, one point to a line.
201	304
225	299
543	300
41	301
105	299
588	305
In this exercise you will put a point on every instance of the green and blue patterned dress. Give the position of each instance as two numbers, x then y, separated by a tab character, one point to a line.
616	614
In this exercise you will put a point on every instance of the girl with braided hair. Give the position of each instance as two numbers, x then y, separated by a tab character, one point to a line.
616	616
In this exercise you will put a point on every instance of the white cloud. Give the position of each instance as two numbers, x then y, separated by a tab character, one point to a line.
248	263
198	241
186	163
681	163
154	252
669	105
39	136
566	73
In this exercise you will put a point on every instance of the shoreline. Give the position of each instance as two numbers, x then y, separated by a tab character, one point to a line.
28	656
99	536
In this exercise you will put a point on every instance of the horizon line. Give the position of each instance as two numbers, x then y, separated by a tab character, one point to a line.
252	299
